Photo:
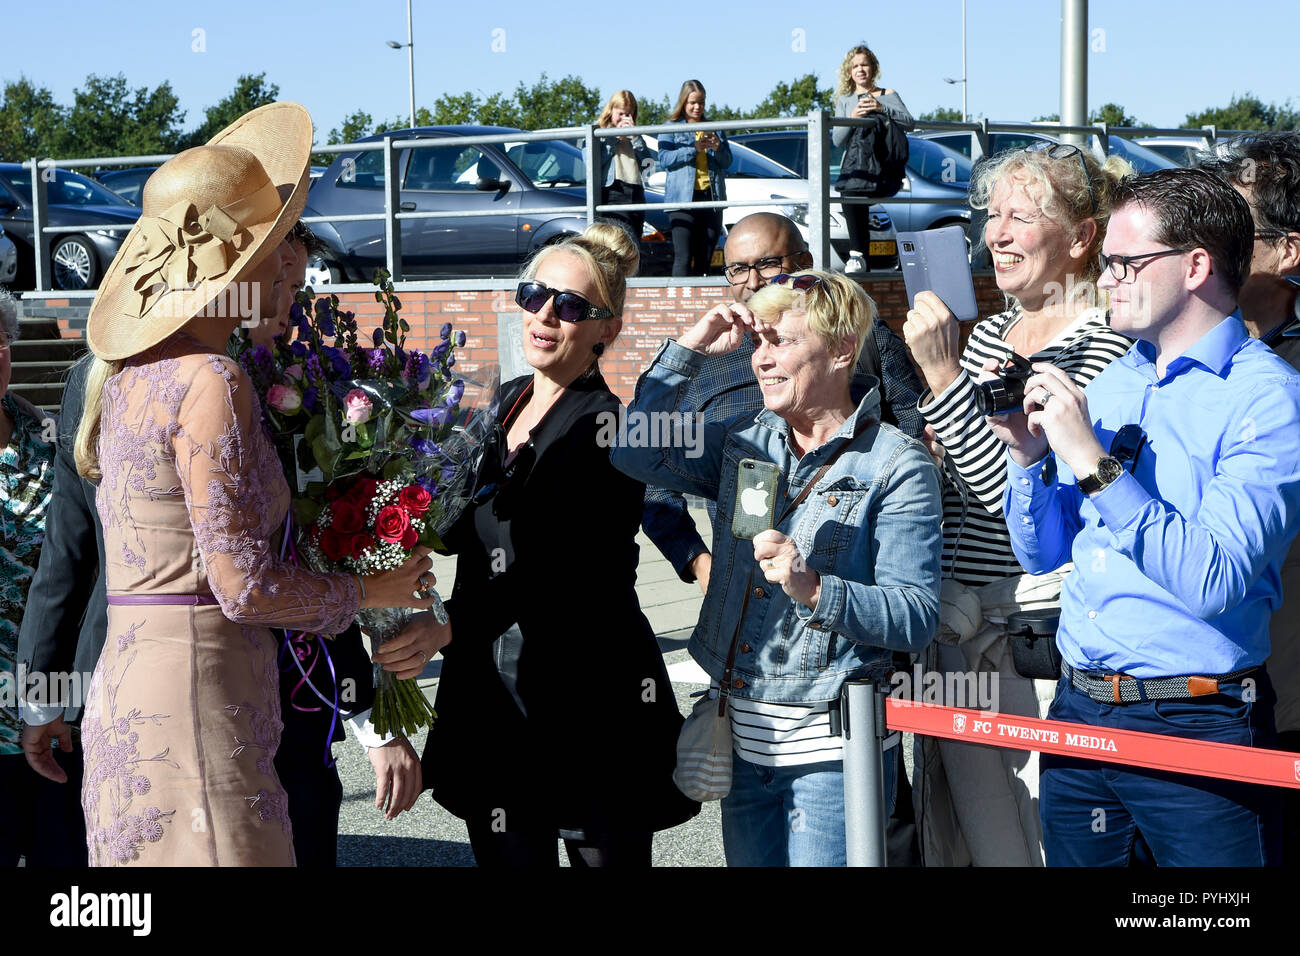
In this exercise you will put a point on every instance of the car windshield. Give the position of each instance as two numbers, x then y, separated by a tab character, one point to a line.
548	162
936	163
1143	159
747	163
68	189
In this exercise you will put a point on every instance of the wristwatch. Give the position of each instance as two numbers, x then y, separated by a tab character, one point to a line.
1108	469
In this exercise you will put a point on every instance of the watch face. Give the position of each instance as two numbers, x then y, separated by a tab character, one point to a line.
1108	469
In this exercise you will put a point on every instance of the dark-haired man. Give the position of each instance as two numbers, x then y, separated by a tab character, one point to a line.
1265	169
1173	484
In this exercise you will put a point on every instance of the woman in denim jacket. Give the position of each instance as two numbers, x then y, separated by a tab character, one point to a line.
694	163
848	576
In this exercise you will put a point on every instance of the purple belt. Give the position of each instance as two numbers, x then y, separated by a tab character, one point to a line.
162	599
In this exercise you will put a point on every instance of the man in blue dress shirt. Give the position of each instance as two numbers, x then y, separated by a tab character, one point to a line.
1173	483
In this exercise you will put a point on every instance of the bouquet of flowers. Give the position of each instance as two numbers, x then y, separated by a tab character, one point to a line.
379	432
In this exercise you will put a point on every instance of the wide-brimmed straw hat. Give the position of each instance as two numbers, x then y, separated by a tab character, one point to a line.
210	214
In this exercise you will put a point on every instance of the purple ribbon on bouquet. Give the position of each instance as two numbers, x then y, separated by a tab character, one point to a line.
294	641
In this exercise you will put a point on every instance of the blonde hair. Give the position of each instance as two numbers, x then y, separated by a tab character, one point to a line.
609	256
846	84
86	448
623	100
679	111
835	307
1062	194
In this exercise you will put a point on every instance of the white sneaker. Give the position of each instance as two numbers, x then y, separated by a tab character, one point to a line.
855	265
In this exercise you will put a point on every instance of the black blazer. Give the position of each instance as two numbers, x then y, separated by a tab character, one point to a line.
587	741
67	612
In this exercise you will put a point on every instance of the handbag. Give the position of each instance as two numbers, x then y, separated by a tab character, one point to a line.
1032	636
703	770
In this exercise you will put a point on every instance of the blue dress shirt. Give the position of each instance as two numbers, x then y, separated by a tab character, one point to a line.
1177	563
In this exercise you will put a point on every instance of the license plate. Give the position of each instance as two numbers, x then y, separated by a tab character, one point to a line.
883	248
717	256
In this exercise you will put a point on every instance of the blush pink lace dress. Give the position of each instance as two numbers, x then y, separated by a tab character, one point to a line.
182	716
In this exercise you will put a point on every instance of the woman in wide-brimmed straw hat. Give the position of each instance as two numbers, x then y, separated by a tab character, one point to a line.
182	716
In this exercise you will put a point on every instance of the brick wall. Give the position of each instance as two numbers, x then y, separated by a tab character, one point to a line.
650	316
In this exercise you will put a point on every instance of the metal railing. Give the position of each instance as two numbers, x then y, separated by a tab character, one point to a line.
819	198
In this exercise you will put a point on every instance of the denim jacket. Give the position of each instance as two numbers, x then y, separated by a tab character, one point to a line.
645	160
870	528
677	158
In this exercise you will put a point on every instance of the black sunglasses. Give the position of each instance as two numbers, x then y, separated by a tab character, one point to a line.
569	306
1065	151
1127	445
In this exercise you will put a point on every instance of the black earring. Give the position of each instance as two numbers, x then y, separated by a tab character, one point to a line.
599	349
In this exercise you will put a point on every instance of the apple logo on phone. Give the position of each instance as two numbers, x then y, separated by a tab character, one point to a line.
753	501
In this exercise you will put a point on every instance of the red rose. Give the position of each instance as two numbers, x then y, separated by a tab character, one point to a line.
347	516
362	490
334	545
409	539
360	543
392	524
415	499
333	492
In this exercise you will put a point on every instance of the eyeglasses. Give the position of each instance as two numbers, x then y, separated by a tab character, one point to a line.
569	306
1271	235
767	267
1120	266
1127	445
799	283
1065	151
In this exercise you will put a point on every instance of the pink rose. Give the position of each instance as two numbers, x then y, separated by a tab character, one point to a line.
294	372
357	407
284	398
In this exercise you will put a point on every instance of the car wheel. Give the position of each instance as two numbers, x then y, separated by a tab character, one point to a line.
73	264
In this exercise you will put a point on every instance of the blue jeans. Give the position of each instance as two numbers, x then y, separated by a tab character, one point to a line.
790	816
1091	810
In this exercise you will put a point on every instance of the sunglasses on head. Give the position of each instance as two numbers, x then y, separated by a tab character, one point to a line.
799	283
569	306
1065	151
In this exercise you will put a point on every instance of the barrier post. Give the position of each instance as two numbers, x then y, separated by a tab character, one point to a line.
863	728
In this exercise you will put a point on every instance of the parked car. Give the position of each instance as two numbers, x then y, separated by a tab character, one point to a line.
933	172
79	256
127	183
527	178
1143	159
8	259
1183	150
754	175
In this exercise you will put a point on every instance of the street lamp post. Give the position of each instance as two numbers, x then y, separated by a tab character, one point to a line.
965	114
410	56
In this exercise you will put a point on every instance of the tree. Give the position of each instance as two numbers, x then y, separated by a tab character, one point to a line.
108	119
941	114
564	102
355	125
652	112
1114	114
454	109
796	98
249	93
1246	112
31	122
1048	118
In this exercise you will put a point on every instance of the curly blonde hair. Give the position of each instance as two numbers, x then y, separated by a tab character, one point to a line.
846	73
1063	194
835	307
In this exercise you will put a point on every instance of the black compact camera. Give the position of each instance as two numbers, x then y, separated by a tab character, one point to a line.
1007	393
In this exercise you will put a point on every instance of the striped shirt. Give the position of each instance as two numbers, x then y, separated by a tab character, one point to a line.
787	735
976	547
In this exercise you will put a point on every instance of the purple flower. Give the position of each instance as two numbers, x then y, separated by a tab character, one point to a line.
440	351
342	367
313	369
299	349
309	396
375	360
460	339
454	393
379	338
448	473
425	447
417	368
434	417
428	484
445	331
451	360
401	356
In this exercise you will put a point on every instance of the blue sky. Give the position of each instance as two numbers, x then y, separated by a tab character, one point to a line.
330	54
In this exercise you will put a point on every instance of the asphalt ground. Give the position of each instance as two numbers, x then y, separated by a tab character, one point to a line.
427	835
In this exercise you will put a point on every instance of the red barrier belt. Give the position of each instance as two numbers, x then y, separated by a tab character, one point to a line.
1156	751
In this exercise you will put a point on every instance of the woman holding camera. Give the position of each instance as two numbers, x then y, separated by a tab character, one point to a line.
846	573
625	160
858	96
1047	212
695	163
